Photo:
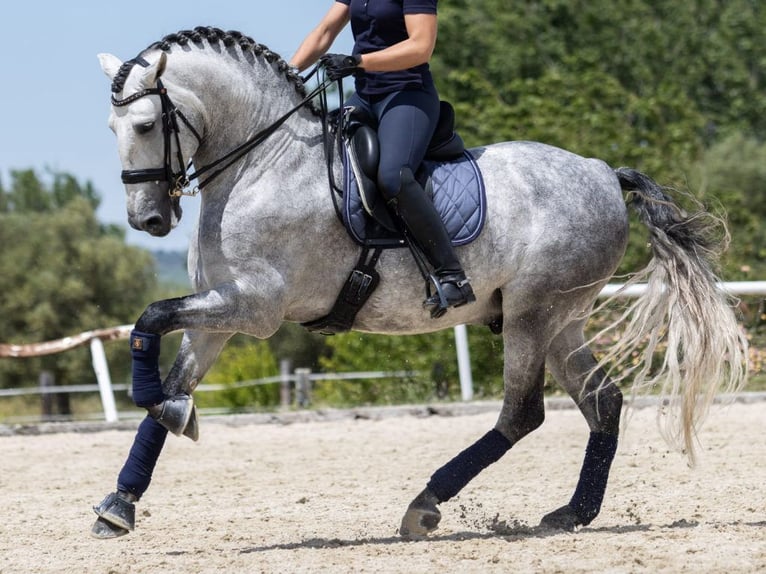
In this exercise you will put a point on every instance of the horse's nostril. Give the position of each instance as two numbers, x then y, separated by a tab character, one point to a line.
153	224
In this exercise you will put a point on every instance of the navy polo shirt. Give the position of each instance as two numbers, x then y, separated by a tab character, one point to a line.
378	24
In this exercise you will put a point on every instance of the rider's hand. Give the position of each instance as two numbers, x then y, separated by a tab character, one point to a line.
339	66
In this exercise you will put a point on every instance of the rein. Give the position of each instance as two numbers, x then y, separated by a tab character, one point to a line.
180	180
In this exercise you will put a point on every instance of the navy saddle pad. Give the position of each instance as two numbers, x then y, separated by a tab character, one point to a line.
456	187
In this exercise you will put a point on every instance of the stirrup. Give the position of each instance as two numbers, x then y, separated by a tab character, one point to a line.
452	290
174	413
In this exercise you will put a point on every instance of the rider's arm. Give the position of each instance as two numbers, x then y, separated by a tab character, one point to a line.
415	50
321	38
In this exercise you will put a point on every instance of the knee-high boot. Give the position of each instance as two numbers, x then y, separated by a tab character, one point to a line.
419	216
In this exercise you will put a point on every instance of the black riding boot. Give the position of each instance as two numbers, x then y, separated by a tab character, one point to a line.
424	225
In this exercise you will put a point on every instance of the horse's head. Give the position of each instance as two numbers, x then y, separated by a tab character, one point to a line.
207	94
152	148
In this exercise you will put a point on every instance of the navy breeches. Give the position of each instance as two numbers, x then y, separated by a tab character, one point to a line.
406	122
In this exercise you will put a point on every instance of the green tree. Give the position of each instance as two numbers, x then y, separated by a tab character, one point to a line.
430	357
702	59
733	173
297	345
3	198
243	359
62	273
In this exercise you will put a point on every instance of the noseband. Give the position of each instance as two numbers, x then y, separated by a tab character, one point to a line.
178	181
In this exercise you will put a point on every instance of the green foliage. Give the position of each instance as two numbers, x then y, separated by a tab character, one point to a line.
243	359
297	345
732	174
657	74
430	358
61	273
31	194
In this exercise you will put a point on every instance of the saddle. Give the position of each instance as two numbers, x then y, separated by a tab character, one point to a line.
449	175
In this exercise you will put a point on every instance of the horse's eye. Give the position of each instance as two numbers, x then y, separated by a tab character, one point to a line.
145	128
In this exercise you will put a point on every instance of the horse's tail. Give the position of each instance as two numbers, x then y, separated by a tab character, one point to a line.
682	308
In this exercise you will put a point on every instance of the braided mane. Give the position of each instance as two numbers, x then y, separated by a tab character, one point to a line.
214	35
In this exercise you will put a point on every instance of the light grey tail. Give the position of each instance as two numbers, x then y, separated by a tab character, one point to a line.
684	310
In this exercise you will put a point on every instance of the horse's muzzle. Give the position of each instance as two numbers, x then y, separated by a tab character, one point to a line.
154	224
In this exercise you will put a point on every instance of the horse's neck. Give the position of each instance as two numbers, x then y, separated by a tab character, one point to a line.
236	99
239	98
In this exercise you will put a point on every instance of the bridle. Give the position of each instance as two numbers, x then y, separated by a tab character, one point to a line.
179	181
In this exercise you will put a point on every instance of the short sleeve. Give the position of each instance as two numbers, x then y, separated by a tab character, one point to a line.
419	6
346	2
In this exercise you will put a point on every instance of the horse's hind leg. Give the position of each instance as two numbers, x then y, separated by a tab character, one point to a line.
600	401
522	412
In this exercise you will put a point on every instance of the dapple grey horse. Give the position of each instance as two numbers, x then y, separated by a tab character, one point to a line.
268	248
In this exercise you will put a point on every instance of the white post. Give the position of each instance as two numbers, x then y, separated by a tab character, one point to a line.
302	387
104	380
463	362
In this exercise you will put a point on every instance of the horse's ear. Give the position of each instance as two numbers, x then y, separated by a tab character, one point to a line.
152	73
110	64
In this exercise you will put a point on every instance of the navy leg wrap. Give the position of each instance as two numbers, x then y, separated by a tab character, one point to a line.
147	385
453	476
136	474
591	487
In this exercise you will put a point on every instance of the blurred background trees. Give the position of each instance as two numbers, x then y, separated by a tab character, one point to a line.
62	272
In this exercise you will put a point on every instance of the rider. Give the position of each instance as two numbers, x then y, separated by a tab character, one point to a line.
394	41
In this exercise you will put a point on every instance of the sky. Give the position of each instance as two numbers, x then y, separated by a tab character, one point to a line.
54	98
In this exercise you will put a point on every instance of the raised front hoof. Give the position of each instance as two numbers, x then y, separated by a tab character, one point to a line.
192	427
563	518
175	414
104	530
422	517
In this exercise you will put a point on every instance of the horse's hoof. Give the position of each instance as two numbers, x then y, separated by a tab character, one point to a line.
563	518
192	427
421	518
174	413
118	510
104	530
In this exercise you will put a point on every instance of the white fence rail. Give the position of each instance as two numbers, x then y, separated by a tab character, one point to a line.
301	376
733	287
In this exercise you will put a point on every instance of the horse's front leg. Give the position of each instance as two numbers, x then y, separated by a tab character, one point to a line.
223	311
212	311
116	513
171	405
